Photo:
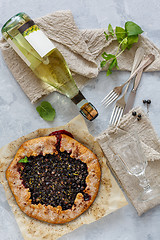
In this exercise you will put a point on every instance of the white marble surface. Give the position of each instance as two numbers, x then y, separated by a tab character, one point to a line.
18	117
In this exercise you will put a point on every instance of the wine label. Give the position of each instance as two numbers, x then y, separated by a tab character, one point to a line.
36	38
16	49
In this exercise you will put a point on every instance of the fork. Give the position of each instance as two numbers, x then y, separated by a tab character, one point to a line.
118	109
144	63
120	104
116	92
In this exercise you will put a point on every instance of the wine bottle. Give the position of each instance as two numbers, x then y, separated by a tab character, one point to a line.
44	59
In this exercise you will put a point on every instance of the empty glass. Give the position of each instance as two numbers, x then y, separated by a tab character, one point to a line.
127	149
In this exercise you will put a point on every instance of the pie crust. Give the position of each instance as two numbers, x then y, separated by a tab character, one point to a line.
48	145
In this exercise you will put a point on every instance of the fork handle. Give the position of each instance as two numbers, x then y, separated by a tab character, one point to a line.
137	59
126	88
145	62
148	60
137	80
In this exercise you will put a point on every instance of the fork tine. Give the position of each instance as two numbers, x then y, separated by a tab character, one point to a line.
110	121
114	114
110	93
111	100
110	97
117	115
120	116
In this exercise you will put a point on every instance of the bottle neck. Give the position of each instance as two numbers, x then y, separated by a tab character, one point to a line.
86	108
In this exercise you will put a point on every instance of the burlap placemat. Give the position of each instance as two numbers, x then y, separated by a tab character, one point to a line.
151	148
109	198
82	50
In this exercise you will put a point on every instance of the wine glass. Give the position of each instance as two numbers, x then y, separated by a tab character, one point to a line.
127	149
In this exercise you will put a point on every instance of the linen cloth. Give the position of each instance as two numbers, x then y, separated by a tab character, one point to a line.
151	148
81	49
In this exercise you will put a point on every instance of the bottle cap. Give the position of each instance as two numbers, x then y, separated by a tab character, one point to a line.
86	108
89	111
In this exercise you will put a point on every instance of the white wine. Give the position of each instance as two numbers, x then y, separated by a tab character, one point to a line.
45	60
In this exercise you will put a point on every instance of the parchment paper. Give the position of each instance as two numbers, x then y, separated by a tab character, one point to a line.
109	198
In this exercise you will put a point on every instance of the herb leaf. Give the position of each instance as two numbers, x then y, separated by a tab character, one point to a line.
125	37
107	56
111	66
132	28
106	35
120	34
132	39
124	43
103	63
110	29
46	111
23	160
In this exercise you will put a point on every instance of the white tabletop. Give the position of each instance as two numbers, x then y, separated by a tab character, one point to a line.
18	117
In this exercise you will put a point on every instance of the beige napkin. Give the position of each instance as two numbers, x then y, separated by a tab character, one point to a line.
82	50
151	149
109	198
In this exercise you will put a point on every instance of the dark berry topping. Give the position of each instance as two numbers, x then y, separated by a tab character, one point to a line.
54	179
61	132
144	101
134	113
148	101
86	196
59	136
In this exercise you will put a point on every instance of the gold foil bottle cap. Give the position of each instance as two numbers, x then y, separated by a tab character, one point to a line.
86	108
89	111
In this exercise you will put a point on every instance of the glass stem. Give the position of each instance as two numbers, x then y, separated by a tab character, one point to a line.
144	182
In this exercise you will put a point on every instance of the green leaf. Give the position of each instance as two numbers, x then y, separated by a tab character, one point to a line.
103	63
129	46
110	29
124	43
132	39
106	35
111	66
108	72
125	37
117	66
107	56
104	55
23	160
46	111
132	28
120	34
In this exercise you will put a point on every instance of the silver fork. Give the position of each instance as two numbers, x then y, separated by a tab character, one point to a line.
118	108
120	104
116	92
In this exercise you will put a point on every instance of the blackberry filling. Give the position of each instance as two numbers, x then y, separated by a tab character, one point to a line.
54	179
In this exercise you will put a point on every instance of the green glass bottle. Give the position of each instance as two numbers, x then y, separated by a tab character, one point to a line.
45	60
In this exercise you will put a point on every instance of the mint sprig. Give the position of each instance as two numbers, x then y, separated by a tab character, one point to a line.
46	111
126	37
23	160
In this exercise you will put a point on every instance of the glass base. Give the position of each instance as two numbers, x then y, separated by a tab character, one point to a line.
149	194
